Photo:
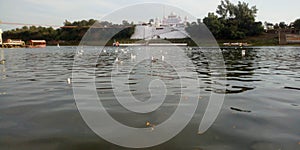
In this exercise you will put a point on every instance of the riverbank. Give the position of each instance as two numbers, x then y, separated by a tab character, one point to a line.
265	39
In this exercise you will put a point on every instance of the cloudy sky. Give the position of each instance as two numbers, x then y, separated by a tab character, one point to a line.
54	12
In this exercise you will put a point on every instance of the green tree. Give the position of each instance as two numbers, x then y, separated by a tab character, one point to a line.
125	23
67	23
276	26
297	24
214	24
151	20
225	9
234	21
282	25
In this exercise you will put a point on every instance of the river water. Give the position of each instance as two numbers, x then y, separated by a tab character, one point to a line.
260	110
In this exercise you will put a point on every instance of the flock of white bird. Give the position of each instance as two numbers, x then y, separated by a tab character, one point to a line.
133	57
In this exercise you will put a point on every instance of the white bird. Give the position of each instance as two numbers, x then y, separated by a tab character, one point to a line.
69	80
132	56
118	61
162	57
153	59
243	52
104	51
80	52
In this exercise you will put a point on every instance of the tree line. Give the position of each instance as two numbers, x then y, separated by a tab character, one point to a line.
71	32
282	25
233	21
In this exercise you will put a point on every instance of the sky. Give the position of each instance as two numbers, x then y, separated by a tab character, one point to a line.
55	12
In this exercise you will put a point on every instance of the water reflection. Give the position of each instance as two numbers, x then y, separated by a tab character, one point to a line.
239	68
2	63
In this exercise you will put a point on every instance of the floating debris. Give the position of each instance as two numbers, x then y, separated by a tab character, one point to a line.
2	62
240	110
148	124
292	88
3	93
295	105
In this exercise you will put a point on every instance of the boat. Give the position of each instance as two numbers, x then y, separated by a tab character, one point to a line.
13	43
37	44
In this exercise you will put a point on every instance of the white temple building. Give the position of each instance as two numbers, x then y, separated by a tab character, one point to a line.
170	27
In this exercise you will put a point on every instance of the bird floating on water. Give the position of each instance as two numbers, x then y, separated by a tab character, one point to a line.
243	52
153	59
69	80
117	61
80	52
132	56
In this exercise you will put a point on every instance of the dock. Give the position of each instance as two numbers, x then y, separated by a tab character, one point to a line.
236	44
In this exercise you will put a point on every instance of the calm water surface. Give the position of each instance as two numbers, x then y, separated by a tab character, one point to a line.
261	108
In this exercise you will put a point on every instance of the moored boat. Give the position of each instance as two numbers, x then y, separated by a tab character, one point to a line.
37	44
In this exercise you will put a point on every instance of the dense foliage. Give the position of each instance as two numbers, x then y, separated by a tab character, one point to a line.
297	24
71	32
233	21
28	33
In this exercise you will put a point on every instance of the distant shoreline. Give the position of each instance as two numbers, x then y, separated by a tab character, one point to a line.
266	39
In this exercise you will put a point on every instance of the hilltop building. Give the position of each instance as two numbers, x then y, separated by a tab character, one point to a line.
170	27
